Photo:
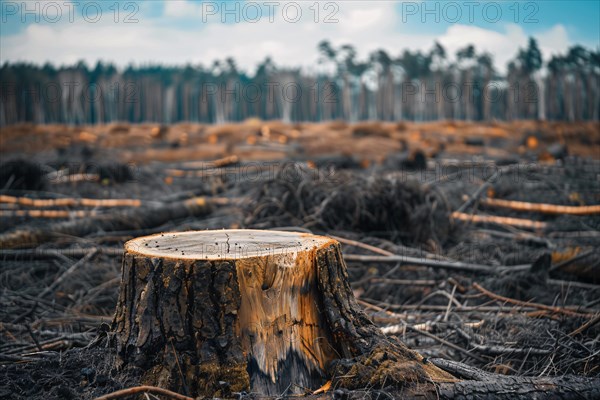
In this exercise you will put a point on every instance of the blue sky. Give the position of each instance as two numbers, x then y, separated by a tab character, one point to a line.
580	18
181	31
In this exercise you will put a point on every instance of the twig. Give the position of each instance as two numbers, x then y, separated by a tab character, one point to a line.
68	272
477	193
574	234
559	310
502	350
520	237
541	207
365	246
584	312
581	285
490	219
586	326
410	282
455	265
143	389
427	326
450	303
48	253
377	308
447	343
37	343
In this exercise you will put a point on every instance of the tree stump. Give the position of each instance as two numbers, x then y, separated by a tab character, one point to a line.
211	313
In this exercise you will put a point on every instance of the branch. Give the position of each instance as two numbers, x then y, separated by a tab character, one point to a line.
143	389
70	202
455	265
541	208
558	310
137	218
48	213
490	219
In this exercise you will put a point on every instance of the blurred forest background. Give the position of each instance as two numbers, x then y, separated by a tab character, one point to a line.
413	86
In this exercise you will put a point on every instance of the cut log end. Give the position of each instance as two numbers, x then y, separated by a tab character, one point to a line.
231	244
210	313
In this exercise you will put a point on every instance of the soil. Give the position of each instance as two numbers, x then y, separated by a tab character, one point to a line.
359	183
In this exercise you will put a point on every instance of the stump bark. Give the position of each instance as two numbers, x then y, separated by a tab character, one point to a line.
212	313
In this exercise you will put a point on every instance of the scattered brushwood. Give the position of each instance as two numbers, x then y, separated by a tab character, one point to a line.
21	174
496	333
74	375
526	318
137	218
390	207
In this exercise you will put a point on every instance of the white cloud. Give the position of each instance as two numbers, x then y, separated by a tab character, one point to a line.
367	26
553	41
502	45
361	19
181	8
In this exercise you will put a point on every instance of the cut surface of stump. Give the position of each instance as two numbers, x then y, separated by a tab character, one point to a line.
212	313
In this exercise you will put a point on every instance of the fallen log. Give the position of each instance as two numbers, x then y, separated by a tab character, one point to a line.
57	177
481	384
136	218
70	202
53	214
218	163
212	313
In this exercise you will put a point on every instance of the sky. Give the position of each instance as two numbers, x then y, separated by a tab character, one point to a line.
176	32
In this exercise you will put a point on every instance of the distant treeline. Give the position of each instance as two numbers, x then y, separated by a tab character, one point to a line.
417	86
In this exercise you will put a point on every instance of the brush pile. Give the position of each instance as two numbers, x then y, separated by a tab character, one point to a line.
388	207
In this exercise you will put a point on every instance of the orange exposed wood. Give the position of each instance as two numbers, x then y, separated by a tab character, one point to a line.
490	219
70	202
541	208
46	213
